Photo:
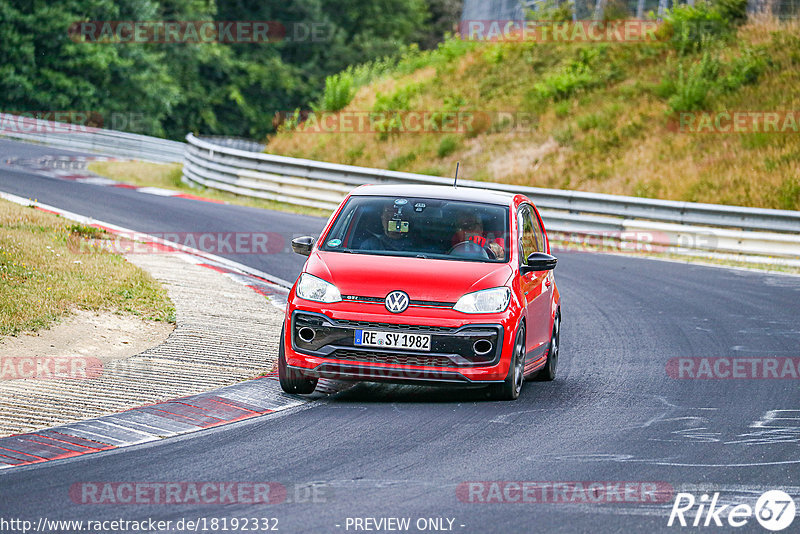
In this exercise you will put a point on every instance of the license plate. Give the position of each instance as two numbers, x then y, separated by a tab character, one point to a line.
392	340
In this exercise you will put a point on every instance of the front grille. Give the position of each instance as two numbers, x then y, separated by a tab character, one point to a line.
424	303
449	347
393	327
388	357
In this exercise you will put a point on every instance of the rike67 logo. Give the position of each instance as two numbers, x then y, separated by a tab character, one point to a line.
774	510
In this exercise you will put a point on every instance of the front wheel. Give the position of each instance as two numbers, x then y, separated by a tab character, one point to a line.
292	381
548	372
512	385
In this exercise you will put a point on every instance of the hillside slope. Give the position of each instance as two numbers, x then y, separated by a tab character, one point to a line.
593	117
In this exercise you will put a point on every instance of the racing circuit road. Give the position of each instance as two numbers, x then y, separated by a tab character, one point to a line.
613	413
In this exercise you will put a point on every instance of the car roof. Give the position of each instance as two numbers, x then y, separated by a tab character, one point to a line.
474	194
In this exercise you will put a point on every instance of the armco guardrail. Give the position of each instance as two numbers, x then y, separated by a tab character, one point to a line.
680	227
240	167
90	139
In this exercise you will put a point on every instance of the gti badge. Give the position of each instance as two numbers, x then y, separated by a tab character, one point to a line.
397	301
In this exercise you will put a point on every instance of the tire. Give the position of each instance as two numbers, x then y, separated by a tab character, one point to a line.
292	381
548	372
512	385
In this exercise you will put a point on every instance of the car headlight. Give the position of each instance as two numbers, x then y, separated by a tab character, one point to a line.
487	301
310	287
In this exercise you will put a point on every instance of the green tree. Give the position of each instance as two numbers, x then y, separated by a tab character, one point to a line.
217	88
45	70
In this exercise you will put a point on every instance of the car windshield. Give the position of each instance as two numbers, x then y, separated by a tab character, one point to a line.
421	227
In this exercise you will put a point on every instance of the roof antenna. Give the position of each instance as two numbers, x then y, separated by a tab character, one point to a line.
455	180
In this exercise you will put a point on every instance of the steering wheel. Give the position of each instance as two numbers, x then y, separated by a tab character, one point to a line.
470	249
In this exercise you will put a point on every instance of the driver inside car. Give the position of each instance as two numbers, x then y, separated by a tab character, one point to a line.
394	232
470	229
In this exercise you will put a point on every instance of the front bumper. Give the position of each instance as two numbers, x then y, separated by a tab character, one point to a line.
453	358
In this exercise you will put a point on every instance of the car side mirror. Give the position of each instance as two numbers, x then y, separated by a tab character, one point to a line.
303	245
539	261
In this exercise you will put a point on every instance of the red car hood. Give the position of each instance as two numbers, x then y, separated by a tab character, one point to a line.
366	275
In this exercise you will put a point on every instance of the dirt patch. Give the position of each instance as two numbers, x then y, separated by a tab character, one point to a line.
103	335
521	159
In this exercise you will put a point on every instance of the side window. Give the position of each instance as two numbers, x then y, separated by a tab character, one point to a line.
537	230
528	239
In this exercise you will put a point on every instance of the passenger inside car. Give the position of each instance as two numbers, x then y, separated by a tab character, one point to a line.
470	229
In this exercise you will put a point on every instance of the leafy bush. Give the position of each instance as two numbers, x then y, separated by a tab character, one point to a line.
588	122
693	28
746	69
734	11
494	55
789	194
453	47
398	163
564	84
692	88
400	100
339	91
391	106
578	74
616	10
451	103
409	59
562	109
289	122
551	11
447	146
355	152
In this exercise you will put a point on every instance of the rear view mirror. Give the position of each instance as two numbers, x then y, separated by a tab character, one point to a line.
539	261
303	245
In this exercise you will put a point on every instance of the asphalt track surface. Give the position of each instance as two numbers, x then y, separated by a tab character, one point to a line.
613	413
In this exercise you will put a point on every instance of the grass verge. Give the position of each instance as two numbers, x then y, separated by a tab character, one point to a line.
168	176
43	277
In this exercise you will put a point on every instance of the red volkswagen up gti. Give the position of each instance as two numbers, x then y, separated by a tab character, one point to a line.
424	284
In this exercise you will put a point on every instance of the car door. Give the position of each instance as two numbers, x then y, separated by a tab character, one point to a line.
536	285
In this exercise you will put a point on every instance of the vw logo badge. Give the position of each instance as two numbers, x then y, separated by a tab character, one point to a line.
397	301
